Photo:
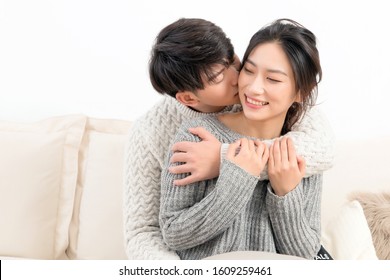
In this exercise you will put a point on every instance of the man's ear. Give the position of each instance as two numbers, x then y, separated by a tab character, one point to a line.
187	98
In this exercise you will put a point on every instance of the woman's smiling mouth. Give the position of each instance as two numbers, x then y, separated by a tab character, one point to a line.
256	103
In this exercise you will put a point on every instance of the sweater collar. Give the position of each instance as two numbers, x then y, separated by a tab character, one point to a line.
187	111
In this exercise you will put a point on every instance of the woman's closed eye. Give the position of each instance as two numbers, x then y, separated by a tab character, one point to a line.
272	80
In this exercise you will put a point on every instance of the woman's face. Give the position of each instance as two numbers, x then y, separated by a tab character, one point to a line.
266	84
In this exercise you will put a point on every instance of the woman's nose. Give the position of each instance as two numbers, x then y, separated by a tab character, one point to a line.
257	85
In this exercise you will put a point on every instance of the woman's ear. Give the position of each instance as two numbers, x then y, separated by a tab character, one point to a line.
298	97
187	98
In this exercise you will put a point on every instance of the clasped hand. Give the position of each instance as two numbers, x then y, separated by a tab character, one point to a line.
202	160
285	168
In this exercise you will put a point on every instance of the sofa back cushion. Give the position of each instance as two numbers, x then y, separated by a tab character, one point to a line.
96	231
38	174
360	165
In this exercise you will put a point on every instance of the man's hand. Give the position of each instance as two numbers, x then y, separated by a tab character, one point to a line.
201	159
285	168
252	156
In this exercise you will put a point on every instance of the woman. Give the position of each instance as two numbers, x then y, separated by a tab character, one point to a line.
236	211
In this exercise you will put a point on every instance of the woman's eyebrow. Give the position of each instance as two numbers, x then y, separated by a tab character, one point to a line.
250	62
277	71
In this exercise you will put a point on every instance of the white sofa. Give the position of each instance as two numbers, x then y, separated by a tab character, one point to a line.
61	190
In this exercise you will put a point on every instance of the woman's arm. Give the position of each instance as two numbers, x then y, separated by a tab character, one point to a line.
296	219
293	203
193	214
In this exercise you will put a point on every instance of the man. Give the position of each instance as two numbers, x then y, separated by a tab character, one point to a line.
194	66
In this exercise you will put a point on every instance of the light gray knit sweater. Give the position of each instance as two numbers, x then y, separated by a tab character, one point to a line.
148	142
236	211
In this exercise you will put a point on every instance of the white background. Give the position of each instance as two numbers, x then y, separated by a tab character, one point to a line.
90	56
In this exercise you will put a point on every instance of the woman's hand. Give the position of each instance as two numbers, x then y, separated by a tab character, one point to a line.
252	156
285	168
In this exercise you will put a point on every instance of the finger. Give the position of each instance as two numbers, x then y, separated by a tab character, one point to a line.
185	181
265	154
276	152
259	148
271	160
202	133
244	144
283	150
291	150
231	152
179	157
301	165
184	146
251	145
180	169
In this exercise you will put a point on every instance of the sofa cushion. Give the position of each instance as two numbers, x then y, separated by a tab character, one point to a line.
97	225
348	237
376	208
38	174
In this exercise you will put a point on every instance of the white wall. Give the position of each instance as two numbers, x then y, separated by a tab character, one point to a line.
88	56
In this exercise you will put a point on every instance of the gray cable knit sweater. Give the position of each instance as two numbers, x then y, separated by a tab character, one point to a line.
148	142
237	211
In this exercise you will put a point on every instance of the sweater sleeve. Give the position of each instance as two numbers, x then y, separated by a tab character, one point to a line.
314	141
194	214
296	219
143	239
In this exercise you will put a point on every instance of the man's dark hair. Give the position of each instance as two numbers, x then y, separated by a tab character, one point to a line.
185	52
